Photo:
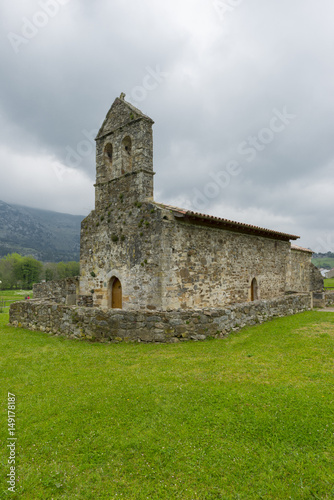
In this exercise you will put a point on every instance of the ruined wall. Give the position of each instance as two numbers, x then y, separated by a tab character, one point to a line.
209	267
302	275
115	325
323	299
316	279
61	291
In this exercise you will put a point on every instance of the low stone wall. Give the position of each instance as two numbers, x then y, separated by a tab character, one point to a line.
323	299
62	291
329	298
119	325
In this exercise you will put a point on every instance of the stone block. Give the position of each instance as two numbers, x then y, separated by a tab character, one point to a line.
159	337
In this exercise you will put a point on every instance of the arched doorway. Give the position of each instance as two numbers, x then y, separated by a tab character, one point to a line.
115	294
254	290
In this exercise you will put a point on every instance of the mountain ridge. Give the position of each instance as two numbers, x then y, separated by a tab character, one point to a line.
46	235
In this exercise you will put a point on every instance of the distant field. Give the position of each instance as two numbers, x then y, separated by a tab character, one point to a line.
329	282
324	262
249	417
9	296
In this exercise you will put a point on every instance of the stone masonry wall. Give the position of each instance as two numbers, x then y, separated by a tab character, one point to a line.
329	298
213	267
316	279
62	291
302	275
166	264
323	299
117	325
124	241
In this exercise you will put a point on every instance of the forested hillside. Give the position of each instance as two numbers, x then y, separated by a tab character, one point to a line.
47	236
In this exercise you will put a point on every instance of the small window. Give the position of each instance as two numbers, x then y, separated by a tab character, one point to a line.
108	153
126	155
254	290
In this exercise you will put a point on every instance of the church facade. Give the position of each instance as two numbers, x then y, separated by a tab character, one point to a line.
138	254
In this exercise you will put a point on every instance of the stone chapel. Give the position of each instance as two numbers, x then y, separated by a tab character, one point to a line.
138	254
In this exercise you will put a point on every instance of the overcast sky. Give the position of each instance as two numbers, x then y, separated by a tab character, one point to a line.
241	92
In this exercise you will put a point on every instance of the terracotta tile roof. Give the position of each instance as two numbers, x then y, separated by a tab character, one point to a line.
301	249
227	224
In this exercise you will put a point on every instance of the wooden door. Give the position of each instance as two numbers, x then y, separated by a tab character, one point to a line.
116	301
254	295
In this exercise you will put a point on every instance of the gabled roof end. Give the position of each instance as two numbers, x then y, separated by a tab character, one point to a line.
124	113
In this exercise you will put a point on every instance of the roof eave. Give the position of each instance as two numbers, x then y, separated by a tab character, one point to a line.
232	226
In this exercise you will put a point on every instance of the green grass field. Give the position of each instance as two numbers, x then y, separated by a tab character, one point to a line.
9	296
329	282
324	261
247	417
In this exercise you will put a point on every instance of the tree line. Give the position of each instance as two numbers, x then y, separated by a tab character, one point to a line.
21	272
322	255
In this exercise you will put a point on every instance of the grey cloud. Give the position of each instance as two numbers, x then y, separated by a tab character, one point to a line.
224	80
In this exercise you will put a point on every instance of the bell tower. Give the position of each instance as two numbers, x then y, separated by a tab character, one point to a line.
124	155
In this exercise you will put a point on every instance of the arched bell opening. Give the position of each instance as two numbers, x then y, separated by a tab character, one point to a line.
126	155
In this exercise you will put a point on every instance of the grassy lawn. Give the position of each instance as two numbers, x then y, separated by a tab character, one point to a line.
14	294
248	417
9	296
